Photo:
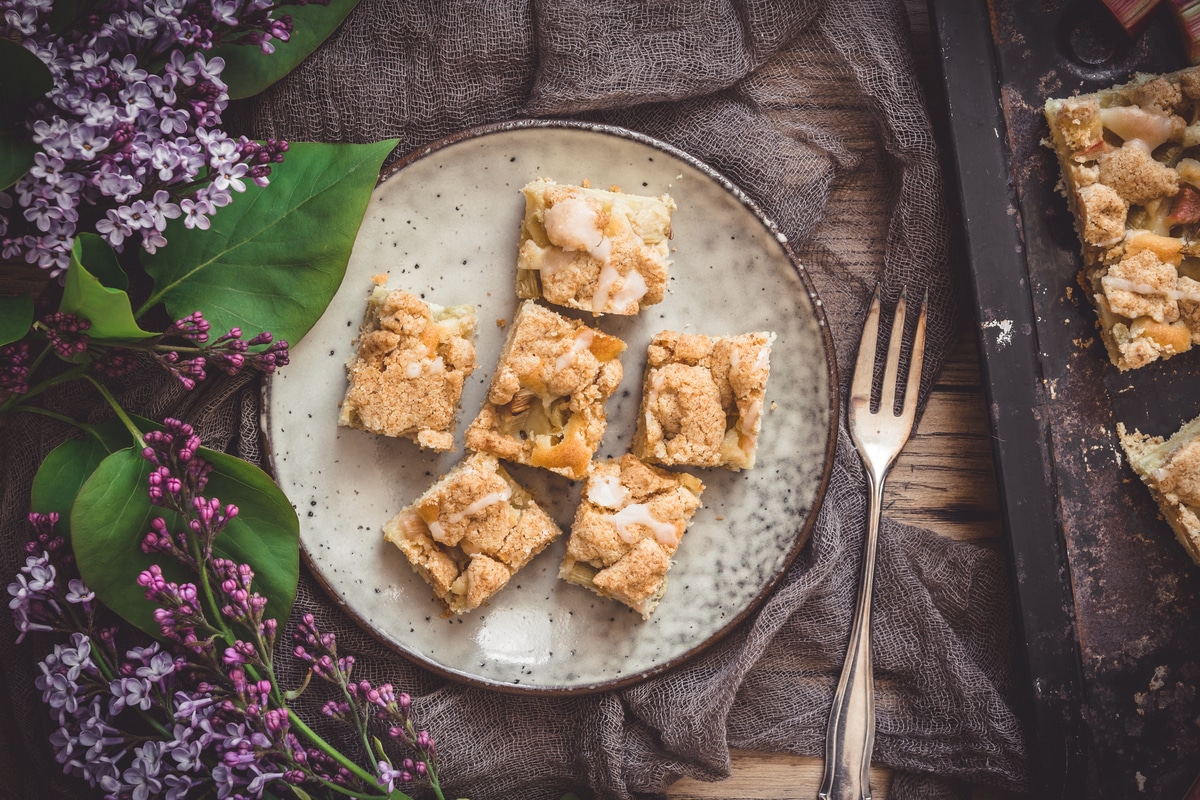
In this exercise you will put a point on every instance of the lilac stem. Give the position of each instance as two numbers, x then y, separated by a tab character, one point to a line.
120	412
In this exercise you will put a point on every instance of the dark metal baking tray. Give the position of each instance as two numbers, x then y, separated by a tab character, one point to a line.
1107	600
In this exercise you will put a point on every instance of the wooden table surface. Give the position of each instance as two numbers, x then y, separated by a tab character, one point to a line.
942	481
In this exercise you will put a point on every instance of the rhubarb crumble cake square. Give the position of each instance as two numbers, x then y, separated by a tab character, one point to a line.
598	251
545	404
702	399
1170	468
628	525
470	532
407	375
1130	162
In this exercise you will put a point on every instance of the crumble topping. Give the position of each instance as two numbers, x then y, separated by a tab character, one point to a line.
470	532
407	375
630	522
545	404
598	251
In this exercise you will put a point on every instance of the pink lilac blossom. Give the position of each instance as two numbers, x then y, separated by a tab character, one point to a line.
129	135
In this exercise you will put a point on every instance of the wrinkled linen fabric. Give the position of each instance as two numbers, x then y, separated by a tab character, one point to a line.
811	108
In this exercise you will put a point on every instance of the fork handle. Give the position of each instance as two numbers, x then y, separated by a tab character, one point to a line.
850	735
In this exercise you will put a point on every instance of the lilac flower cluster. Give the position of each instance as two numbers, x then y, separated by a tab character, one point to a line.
183	349
190	721
129	135
229	353
14	369
66	333
363	702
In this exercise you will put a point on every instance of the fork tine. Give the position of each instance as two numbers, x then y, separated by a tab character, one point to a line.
864	367
891	371
916	361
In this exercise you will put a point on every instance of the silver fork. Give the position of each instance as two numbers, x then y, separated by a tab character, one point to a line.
879	436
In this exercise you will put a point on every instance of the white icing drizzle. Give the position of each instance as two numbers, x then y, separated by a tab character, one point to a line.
748	420
572	224
1126	285
639	514
633	290
608	277
606	491
764	357
583	340
489	499
436	530
413	370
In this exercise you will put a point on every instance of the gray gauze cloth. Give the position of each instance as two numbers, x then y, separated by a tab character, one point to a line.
815	112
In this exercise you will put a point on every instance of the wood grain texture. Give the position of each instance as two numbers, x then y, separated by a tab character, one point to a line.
943	479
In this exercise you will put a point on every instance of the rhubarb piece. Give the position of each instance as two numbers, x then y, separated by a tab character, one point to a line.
1187	17
629	523
1170	468
1131	14
1130	171
470	532
406	377
702	399
598	251
545	404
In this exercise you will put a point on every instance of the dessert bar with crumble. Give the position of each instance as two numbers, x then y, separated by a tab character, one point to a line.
470	532
702	399
600	251
1170	468
1130	162
545	403
407	375
628	525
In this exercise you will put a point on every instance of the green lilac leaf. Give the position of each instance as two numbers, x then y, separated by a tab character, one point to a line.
16	155
273	258
108	309
248	70
16	315
26	78
112	514
300	793
63	15
101	261
67	467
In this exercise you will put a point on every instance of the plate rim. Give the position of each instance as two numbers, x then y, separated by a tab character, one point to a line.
832	397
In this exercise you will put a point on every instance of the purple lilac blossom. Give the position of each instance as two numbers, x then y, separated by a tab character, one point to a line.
113	134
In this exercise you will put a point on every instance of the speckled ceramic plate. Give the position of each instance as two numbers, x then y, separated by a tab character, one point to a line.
444	223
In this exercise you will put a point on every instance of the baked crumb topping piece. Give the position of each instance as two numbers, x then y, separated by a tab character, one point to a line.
598	251
1130	161
702	399
628	525
545	404
407	375
470	532
1170	468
